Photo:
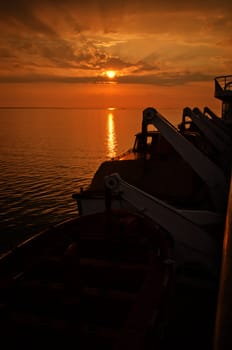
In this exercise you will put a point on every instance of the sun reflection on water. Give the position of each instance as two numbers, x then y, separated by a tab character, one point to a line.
111	136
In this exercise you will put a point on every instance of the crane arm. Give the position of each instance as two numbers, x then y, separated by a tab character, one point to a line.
179	224
215	134
211	174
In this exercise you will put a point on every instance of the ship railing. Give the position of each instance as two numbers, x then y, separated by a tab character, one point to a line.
223	91
223	88
124	154
225	82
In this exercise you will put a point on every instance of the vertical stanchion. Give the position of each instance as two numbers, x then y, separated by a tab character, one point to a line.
223	323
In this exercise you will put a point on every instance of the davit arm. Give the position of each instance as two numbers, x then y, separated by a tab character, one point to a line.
182	225
209	172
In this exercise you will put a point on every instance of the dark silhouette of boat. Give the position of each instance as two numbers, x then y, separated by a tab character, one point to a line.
140	267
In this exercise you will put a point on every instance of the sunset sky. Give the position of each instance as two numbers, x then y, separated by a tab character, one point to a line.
164	53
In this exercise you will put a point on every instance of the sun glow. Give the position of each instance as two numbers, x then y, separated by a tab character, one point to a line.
110	74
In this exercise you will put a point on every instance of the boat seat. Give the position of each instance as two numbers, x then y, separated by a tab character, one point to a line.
111	265
113	294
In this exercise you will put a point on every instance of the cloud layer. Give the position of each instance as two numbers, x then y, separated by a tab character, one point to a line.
152	42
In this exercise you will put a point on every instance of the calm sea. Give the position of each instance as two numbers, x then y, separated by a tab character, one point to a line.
48	154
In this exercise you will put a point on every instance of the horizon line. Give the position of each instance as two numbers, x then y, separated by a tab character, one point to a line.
54	107
86	108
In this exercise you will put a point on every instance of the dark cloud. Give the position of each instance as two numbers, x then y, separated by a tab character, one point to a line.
110	12
115	63
6	53
60	53
164	79
117	5
167	78
24	13
42	78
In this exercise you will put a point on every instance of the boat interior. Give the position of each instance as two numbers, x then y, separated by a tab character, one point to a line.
102	281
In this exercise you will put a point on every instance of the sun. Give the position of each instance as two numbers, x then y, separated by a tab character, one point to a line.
110	74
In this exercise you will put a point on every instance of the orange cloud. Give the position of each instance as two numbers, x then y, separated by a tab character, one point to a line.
151	42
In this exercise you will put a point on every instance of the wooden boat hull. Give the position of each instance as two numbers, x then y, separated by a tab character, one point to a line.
105	279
